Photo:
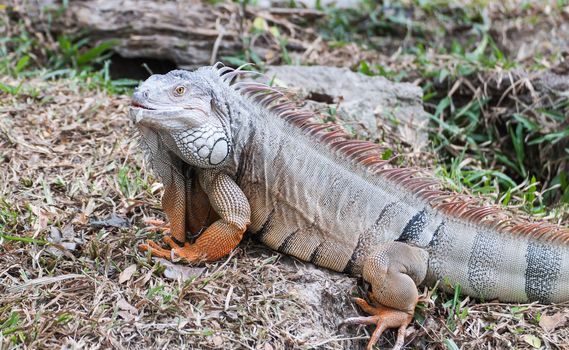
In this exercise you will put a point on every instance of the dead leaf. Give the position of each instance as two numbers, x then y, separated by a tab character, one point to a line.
125	306
54	235
550	323
217	341
112	221
532	340
127	273
61	249
125	315
144	279
178	271
43	217
68	232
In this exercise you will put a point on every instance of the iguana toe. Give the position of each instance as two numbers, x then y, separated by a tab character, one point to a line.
156	225
187	252
171	242
155	250
384	318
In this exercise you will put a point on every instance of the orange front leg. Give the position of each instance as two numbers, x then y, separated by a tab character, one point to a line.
216	242
220	238
174	204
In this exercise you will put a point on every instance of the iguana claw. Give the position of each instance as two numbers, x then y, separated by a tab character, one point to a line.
384	318
185	252
156	250
157	225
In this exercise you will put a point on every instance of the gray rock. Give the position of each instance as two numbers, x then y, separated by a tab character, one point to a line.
364	102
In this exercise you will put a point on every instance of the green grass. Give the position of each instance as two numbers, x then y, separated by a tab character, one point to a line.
10	328
22	239
372	20
23	56
8	216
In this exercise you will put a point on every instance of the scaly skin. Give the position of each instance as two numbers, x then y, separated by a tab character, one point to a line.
307	190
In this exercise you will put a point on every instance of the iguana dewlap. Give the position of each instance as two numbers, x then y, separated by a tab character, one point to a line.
237	157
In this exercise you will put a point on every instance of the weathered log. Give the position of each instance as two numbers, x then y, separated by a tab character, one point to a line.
189	33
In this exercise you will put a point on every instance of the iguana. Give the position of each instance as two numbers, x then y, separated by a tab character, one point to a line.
237	156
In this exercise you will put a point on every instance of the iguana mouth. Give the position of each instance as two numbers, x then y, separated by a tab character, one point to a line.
138	105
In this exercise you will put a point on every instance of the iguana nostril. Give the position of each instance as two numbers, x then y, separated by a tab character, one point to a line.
138	95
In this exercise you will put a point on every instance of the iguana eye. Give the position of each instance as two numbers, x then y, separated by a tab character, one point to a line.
180	90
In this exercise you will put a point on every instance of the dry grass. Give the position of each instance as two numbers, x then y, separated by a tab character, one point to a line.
73	195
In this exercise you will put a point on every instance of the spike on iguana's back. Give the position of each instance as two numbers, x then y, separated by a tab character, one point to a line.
367	155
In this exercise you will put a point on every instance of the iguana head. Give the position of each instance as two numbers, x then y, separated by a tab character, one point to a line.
178	111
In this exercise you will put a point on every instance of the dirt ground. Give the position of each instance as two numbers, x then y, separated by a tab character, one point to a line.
74	191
